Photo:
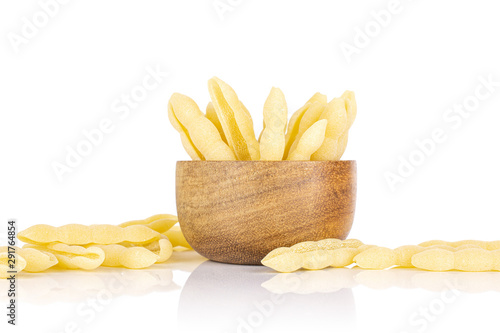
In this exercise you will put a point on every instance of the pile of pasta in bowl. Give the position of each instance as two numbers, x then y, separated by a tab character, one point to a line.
317	131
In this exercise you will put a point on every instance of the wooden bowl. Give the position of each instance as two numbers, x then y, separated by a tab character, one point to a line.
238	211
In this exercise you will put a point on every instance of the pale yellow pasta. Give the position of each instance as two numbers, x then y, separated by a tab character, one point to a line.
330	243
283	259
333	243
163	248
341	145
272	141
263	128
112	254
177	238
160	225
318	97
343	257
351	110
77	234
310	142
356	243
212	116
244	108
133	244
310	117
336	115
351	107
487	245
364	247
73	256
203	133
5	264
294	123
406	252
36	261
186	141
137	257
381	257
313	255
469	260
192	151
150	219
403	256
235	120
234	126
376	257
293	128
157	217
435	242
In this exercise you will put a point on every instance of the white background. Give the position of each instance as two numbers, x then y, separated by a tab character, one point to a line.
68	75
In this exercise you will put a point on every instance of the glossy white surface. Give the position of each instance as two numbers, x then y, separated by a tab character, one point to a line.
189	294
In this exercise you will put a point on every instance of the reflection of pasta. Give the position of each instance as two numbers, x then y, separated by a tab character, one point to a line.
78	286
308	282
313	255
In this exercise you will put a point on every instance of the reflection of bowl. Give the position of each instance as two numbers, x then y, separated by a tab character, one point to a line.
229	298
238	211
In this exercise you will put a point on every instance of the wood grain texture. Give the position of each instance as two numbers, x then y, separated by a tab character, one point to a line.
238	211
